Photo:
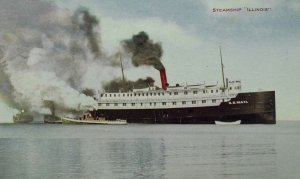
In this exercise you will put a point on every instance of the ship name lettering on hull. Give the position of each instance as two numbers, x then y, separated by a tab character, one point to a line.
238	102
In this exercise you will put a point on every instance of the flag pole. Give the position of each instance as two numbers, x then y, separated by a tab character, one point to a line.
222	66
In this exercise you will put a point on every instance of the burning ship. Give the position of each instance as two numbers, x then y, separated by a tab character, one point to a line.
189	104
23	117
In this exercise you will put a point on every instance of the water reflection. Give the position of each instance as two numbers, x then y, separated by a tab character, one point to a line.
240	157
221	156
36	158
158	151
140	158
78	158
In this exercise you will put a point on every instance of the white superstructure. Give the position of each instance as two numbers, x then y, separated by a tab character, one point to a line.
174	97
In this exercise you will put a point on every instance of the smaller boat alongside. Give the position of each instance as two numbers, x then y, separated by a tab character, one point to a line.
89	119
52	119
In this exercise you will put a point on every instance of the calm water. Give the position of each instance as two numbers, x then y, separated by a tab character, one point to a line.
150	151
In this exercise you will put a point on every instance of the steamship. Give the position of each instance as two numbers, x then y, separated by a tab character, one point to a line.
189	104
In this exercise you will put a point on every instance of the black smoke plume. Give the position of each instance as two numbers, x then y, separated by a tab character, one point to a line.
144	51
51	105
87	23
89	92
119	84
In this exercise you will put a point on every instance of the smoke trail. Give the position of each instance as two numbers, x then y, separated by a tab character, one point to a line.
47	54
6	88
144	51
87	23
43	57
118	84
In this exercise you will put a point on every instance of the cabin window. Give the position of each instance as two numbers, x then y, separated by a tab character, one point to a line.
185	92
154	103
115	95
212	91
146	94
150	104
143	94
150	94
164	103
134	94
119	95
230	88
127	95
193	102
223	90
141	104
203	101
105	95
158	94
124	104
195	92
203	91
214	101
162	93
217	91
223	100
101	95
174	103
116	104
123	95
109	95
175	93
170	93
99	104
132	104
183	102
139	94
130	94
107	104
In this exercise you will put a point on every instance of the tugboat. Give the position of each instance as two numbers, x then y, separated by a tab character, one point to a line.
51	118
23	117
189	104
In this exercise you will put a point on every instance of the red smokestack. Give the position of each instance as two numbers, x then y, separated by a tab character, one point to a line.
163	78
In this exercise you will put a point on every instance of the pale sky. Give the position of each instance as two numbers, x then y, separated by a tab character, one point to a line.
261	49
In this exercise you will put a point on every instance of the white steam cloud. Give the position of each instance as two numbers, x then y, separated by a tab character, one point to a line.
46	55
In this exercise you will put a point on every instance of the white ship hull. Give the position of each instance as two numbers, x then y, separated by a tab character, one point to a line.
226	123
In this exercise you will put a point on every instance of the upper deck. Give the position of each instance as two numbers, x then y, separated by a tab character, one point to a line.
172	97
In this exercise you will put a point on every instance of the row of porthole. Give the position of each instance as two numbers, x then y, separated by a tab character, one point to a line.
154	103
153	94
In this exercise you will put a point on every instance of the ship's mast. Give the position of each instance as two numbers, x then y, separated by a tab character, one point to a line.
122	69
222	66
